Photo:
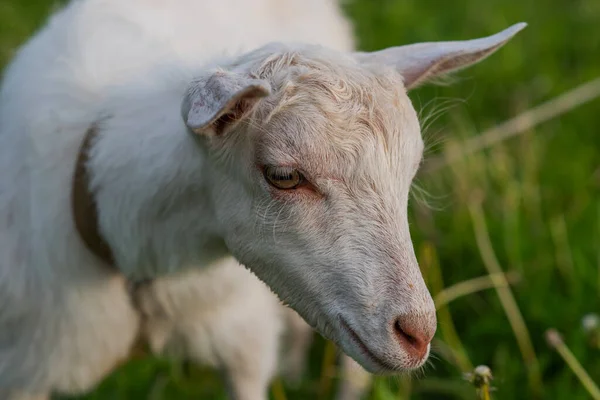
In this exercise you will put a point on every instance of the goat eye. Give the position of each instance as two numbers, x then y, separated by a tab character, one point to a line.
283	177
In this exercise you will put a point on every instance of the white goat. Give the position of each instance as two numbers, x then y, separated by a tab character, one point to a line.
200	140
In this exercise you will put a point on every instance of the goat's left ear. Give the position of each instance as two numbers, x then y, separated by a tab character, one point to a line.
422	61
220	99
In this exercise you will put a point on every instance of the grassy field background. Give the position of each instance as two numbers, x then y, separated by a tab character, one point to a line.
528	205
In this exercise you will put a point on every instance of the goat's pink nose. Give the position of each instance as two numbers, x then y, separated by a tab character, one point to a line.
414	333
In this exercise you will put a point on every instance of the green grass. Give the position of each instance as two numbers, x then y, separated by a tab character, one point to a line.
535	197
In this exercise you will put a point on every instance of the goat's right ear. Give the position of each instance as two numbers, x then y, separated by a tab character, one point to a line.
219	100
420	62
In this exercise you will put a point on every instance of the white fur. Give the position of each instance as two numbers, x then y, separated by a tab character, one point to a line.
221	317
170	200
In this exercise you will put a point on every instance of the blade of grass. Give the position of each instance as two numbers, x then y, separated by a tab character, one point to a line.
277	390
430	265
515	318
406	387
511	226
598	251
555	341
158	387
564	257
327	370
471	286
435	388
383	391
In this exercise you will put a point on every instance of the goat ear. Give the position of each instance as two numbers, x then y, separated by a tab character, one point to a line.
420	62
217	101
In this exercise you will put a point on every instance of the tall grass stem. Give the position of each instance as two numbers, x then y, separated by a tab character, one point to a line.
555	340
505	295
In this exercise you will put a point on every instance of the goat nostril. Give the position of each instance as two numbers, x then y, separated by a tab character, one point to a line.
412	339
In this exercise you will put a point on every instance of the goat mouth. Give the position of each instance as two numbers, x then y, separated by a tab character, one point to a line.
382	365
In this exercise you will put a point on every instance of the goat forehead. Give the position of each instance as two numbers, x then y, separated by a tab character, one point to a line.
345	128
